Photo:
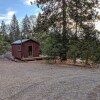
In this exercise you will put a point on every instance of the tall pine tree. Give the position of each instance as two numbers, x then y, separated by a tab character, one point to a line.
84	14
26	27
14	29
56	17
57	14
3	29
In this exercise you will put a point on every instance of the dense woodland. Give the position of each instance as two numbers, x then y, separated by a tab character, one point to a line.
65	29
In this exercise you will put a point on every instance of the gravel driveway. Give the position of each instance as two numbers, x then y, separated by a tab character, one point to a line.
32	81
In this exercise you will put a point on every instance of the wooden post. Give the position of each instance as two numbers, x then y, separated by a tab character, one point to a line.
21	45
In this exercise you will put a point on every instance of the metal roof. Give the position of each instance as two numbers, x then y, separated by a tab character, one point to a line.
20	41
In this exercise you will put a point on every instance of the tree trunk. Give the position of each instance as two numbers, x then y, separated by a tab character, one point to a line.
64	42
74	58
87	58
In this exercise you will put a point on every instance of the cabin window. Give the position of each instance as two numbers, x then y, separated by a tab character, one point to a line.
19	48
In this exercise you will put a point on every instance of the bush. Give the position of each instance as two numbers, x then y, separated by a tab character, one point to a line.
50	60
52	46
4	46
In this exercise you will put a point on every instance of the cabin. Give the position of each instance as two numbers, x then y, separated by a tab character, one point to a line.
25	48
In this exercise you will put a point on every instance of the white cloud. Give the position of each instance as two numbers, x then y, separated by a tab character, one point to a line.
2	17
7	17
28	2
10	13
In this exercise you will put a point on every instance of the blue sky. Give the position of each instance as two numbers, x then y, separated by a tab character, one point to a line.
18	7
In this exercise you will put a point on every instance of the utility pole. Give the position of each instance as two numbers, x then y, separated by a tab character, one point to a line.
21	45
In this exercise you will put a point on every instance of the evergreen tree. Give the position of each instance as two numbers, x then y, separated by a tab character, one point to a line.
3	44
40	31
26	27
55	16
42	24
32	20
14	29
52	45
3	29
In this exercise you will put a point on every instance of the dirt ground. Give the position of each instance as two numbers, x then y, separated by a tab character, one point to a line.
33	81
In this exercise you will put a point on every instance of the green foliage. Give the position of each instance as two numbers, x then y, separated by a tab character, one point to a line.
56	20
96	57
14	29
83	36
74	52
26	27
52	45
3	46
50	60
3	29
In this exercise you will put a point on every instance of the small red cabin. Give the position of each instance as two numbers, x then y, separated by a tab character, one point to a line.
25	48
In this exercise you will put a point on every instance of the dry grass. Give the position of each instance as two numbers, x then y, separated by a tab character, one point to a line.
78	63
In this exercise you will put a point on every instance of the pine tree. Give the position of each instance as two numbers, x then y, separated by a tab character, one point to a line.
32	20
56	18
14	29
3	30
3	45
57	15
26	27
83	14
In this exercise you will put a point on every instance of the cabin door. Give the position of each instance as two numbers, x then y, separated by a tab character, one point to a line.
30	50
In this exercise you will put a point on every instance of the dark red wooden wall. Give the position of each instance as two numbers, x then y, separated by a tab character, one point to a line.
17	53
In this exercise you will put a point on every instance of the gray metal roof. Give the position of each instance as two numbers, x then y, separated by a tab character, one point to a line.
20	41
24	40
